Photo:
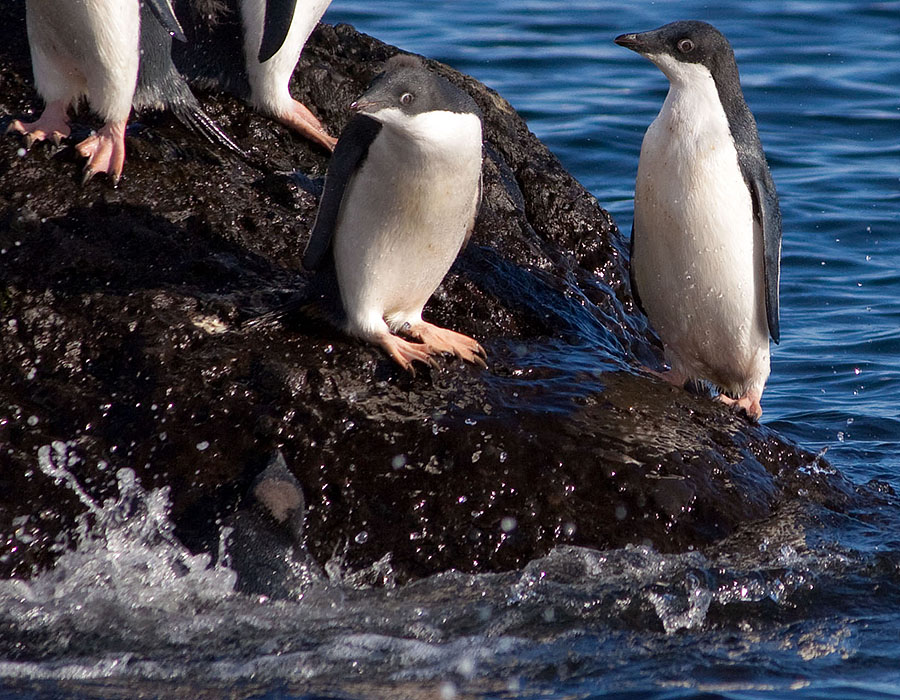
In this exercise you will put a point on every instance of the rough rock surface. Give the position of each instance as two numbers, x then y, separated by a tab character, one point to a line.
124	342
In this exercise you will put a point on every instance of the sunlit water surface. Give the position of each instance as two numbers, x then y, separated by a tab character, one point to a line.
130	611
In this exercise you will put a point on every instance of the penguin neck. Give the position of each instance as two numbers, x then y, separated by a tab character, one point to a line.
442	135
707	95
693	104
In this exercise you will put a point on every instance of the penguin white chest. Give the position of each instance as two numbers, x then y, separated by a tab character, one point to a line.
405	215
698	258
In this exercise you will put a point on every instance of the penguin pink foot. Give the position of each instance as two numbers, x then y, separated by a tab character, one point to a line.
403	352
105	151
301	120
53	124
439	340
749	402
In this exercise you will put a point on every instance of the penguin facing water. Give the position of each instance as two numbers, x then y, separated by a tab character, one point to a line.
706	243
400	199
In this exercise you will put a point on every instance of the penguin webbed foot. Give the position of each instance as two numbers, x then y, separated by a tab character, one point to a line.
105	151
52	125
749	403
439	340
300	119
404	353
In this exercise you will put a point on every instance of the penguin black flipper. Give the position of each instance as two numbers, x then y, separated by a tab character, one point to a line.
471	229
631	279
349	154
276	25
768	214
165	13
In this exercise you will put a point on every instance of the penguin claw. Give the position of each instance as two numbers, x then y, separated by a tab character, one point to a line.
300	119
52	124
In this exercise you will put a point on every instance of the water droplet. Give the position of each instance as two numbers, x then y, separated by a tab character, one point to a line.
508	524
466	666
398	461
361	537
33	420
203	445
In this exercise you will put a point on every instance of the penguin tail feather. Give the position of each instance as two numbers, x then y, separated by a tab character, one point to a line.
191	114
310	305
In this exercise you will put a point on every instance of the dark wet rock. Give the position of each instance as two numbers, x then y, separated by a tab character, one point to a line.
124	343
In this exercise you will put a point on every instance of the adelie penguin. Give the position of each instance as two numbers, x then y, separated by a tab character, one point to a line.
85	49
706	244
95	49
401	194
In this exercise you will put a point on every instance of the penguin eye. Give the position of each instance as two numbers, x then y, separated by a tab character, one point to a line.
406	98
685	46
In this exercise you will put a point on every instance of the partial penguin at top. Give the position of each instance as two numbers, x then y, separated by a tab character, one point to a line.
94	50
401	195
706	243
250	48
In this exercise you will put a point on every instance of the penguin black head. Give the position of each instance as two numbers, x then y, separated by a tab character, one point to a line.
406	86
683	42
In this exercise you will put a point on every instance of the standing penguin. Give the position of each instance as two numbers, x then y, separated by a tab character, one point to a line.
706	244
85	48
251	47
400	199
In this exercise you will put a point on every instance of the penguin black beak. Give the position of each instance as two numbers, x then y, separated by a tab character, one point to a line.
632	41
364	105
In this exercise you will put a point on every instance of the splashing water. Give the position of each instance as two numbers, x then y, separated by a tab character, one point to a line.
131	602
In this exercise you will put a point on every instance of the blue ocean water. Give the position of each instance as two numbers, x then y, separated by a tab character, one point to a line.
132	613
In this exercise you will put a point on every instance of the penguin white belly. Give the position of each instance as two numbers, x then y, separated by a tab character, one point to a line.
86	48
698	258
400	229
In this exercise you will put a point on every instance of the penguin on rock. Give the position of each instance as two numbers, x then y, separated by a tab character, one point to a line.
706	243
400	199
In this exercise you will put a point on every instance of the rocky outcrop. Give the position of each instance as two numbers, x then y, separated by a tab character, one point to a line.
125	342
